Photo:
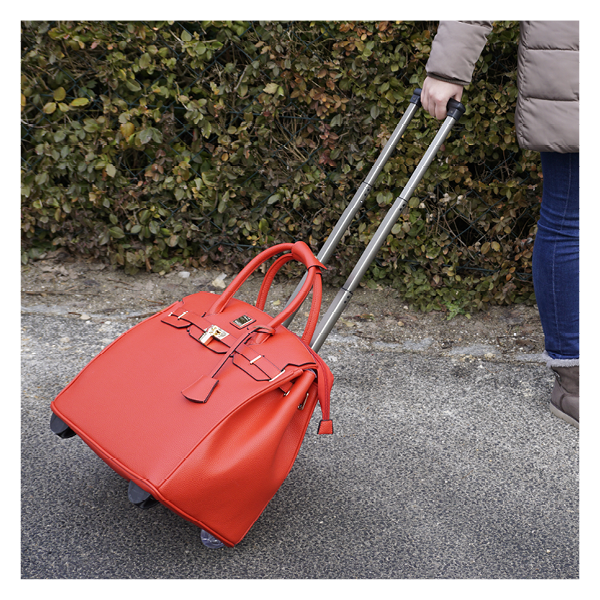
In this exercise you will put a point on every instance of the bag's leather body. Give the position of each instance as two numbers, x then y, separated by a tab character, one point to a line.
205	404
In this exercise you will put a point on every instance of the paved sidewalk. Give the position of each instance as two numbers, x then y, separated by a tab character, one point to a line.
445	463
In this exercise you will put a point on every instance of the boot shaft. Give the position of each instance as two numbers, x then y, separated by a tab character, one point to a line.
568	379
564	402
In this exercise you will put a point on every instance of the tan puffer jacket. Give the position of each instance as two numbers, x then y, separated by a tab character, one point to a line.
547	114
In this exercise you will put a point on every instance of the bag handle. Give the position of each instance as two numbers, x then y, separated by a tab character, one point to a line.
269	277
317	291
300	252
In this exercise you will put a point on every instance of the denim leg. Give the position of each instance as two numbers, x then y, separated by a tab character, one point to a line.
556	257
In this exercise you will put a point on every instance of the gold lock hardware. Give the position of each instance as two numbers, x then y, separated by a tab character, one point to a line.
243	321
213	332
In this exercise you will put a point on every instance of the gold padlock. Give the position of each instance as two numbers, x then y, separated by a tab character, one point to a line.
213	332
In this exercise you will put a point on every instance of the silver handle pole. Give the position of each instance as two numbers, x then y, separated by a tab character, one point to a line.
365	187
363	191
343	297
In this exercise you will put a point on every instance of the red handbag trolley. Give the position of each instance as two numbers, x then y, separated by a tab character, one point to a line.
203	406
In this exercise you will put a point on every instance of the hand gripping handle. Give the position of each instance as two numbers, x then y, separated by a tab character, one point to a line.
454	108
300	252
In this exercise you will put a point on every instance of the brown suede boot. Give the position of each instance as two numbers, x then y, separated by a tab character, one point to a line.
564	402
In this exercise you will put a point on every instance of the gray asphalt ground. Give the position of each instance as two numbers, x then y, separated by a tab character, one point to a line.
441	467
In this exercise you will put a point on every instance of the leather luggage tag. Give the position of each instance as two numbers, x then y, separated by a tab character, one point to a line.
201	389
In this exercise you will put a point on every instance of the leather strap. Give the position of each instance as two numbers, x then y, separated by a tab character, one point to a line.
254	363
201	389
324	386
315	307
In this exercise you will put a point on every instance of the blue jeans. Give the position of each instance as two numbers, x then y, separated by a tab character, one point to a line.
556	256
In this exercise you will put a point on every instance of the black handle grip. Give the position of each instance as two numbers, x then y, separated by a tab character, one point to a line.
454	108
416	97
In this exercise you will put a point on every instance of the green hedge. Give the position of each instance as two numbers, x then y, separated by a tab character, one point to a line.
205	142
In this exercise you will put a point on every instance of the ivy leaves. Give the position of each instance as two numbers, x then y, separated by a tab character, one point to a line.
150	142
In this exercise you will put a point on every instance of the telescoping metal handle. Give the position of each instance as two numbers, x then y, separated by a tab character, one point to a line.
454	111
363	191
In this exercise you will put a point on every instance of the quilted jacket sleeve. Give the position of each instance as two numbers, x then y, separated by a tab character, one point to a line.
456	48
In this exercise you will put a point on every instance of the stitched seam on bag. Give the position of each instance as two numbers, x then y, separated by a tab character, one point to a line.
266	390
186	515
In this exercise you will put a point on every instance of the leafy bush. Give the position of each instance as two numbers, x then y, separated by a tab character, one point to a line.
205	142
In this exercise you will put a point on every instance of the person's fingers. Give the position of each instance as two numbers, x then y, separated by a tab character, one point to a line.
424	96
427	100
435	95
440	109
430	99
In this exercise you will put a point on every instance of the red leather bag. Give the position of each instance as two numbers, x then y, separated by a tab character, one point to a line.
205	404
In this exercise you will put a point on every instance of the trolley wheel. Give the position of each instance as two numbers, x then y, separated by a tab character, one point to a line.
60	428
210	541
139	497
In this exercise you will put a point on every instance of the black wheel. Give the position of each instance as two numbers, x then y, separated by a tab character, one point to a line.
139	497
60	428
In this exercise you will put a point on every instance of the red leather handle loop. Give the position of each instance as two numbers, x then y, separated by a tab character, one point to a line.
315	307
241	277
295	304
317	291
269	277
300	252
